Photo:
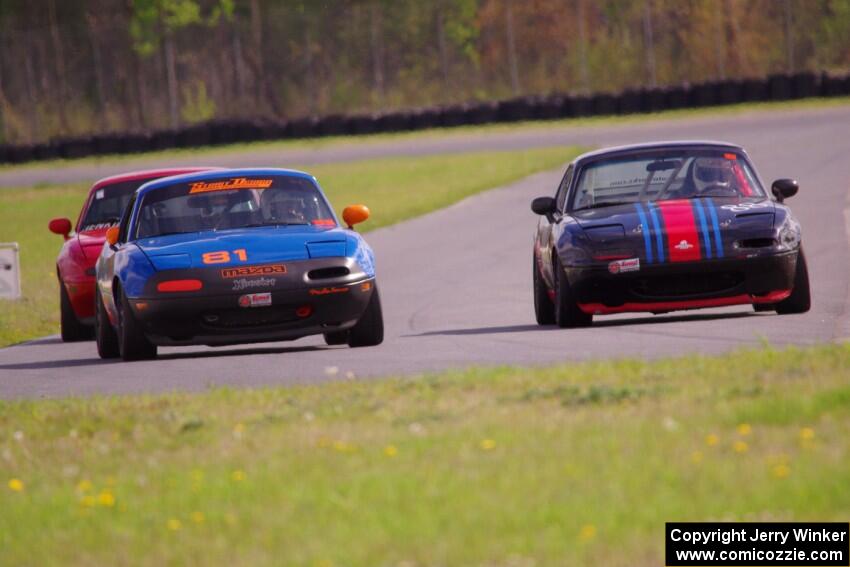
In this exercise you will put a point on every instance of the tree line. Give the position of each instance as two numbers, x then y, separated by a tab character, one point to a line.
74	67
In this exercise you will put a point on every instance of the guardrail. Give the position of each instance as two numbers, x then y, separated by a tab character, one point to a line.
631	101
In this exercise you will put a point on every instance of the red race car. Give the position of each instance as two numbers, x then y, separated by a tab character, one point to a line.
75	264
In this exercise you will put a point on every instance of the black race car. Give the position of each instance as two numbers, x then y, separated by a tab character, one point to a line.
666	226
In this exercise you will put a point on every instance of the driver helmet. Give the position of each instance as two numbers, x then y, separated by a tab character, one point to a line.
712	172
282	206
214	204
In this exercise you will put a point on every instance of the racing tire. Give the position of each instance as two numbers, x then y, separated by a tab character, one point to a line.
70	327
105	336
544	309
567	312
336	338
800	299
369	329
132	342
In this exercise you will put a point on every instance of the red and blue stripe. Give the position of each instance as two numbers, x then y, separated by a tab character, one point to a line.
680	230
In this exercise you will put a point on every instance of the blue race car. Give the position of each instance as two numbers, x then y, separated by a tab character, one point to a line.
234	256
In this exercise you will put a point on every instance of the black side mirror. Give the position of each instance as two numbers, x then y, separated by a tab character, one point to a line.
543	205
784	188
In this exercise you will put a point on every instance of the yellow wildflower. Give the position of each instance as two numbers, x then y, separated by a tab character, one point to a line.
488	444
238	476
696	457
84	486
807	434
239	430
740	447
106	499
344	447
781	470
88	501
390	451
587	532
198	517
174	524
16	485
712	440
744	429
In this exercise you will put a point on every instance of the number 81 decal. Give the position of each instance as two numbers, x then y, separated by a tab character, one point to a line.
223	256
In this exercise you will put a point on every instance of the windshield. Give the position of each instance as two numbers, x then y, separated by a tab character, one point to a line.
656	176
231	203
107	205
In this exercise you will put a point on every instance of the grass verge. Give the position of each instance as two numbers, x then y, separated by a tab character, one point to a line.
568	465
395	189
317	143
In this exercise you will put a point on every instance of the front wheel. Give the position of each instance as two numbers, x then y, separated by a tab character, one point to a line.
132	342
800	299
544	309
567	312
369	330
104	334
70	327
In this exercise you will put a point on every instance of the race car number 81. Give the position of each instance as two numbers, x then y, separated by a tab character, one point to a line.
223	256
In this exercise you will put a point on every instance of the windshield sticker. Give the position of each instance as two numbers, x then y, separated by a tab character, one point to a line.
637	181
99	194
238	183
98	226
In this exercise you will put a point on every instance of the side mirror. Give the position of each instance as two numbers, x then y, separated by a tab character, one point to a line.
543	205
61	227
355	214
112	235
784	188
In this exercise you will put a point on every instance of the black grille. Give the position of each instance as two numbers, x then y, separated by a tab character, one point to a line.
686	285
756	243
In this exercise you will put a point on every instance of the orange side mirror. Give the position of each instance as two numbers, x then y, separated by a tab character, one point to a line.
355	214
112	235
61	227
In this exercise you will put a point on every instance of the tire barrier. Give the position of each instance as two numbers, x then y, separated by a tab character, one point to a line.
549	107
779	87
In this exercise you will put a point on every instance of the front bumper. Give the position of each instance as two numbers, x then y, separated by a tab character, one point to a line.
687	285
299	306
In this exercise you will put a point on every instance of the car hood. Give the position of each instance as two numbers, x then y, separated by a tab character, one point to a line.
91	242
225	248
678	230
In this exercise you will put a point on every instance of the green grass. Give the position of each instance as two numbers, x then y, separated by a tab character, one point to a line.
317	143
570	465
394	189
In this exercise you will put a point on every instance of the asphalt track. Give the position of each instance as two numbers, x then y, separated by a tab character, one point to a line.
456	283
